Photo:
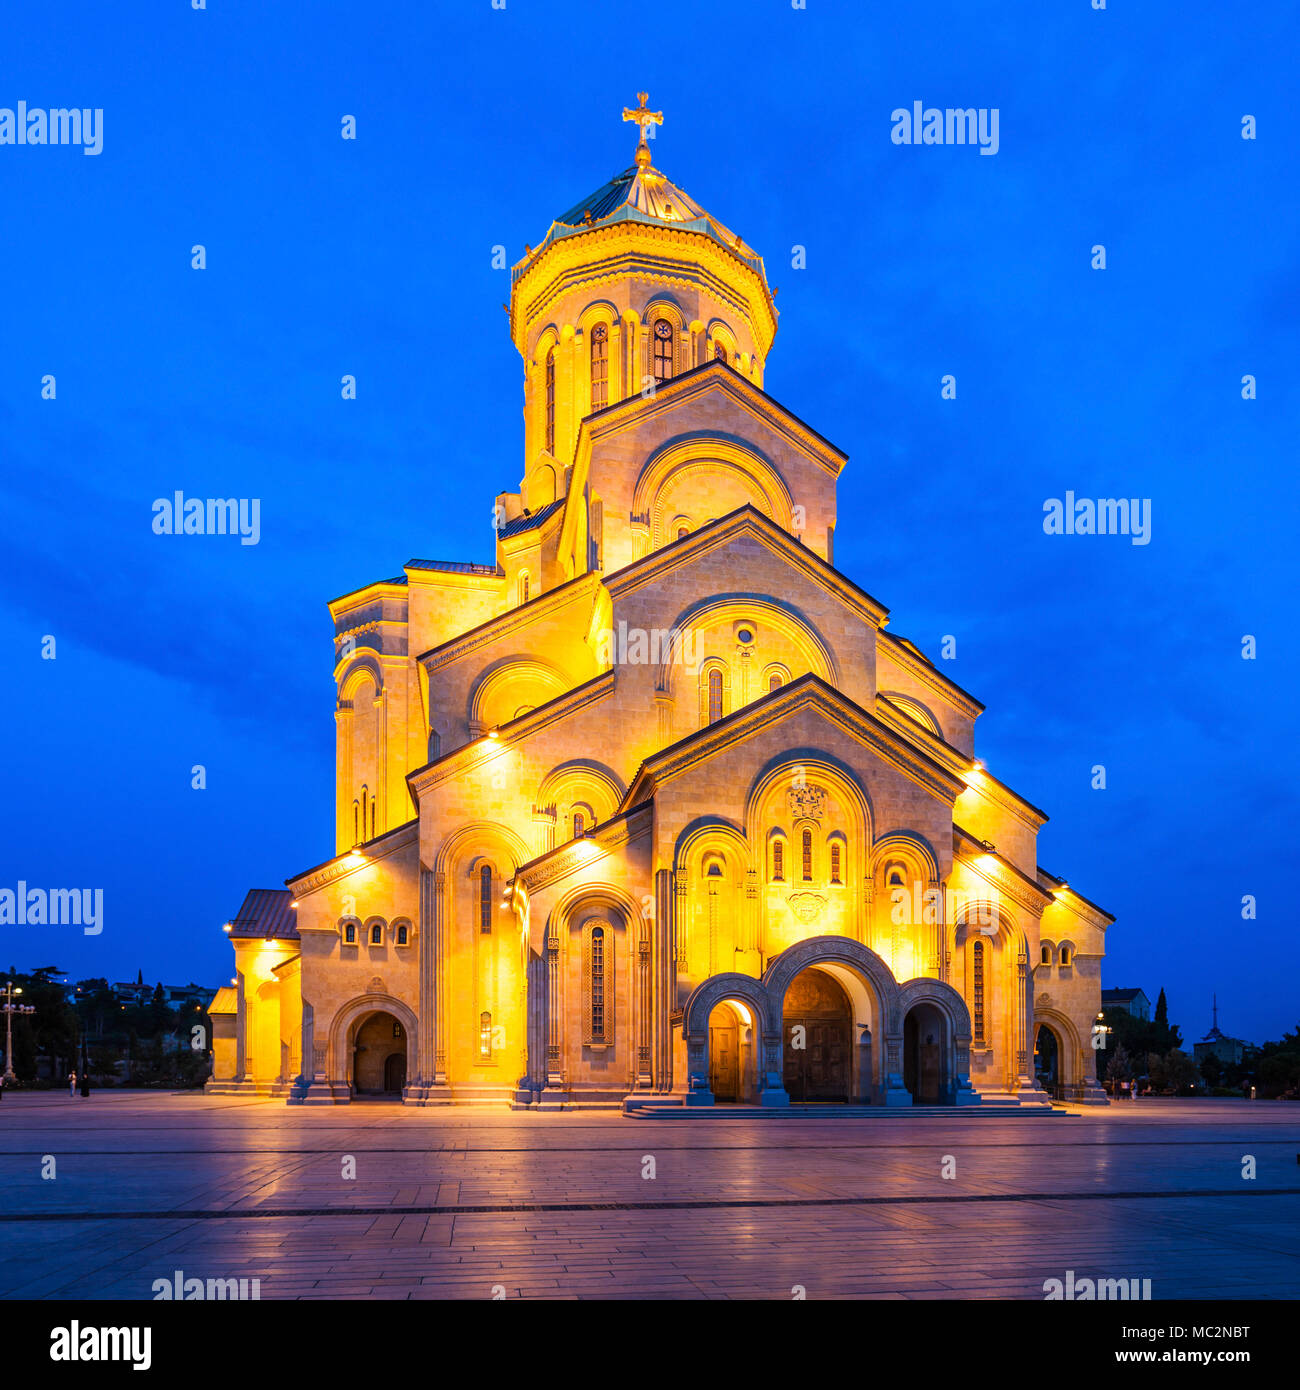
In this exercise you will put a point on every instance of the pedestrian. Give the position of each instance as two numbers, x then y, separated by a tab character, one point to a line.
72	1084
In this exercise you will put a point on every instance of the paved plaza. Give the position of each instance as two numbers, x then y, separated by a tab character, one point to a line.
457	1203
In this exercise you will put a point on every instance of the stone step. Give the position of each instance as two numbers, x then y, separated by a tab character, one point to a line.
836	1112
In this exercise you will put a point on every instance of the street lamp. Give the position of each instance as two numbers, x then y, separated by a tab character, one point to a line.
10	1009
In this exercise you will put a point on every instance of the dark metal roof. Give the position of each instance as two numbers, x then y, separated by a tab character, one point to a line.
530	520
450	567
266	912
1122	993
603	201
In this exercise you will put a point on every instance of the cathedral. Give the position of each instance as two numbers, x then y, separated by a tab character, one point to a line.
653	809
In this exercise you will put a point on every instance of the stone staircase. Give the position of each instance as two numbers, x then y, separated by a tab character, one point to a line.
987	1110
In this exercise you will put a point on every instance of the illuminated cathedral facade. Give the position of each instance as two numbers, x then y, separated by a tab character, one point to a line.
652	809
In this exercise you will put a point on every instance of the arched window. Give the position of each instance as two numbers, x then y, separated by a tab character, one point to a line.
1045	955
485	1036
773	683
835	864
376	935
1065	955
719	352
894	877
598	983
523	587
435	746
485	898
550	400
401	934
579	825
356	824
599	366
663	341
778	860
806	841
977	990
715	696
349	933
683	532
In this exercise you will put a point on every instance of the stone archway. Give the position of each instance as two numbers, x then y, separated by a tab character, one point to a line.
379	1056
817	1039
345	1031
733	989
875	1042
936	1017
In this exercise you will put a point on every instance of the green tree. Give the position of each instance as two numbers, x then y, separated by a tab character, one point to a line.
1211	1070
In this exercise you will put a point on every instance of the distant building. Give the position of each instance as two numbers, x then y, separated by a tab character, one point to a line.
1129	1001
1218	1044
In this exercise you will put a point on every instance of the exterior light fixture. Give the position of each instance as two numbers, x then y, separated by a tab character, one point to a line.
226	927
977	766
494	735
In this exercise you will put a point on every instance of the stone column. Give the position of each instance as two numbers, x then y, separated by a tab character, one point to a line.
935	936
644	1076
553	1095
241	1029
665	979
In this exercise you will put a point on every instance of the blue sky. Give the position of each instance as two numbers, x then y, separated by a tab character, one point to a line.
477	127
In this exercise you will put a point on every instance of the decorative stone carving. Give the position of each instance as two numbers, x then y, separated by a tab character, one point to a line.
376	986
807	907
807	802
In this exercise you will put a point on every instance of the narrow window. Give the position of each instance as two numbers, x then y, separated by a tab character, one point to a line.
683	532
715	696
579	825
356	826
397	1029
550	401
773	683
663	340
485	1035
599	367
1065	955
835	864
719	352
401	934
372	817
435	746
485	898
778	860
977	989
598	983
376	935
1045	955
350	934
807	856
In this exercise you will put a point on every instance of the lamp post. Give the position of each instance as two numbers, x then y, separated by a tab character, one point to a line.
10	1009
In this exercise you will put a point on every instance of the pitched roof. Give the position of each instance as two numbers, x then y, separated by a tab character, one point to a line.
266	912
448	567
1122	996
529	521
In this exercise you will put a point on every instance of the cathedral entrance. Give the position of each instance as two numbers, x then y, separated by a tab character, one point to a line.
816	1039
1047	1059
731	1053
379	1057
925	1049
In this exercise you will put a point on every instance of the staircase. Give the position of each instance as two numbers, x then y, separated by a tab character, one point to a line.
836	1112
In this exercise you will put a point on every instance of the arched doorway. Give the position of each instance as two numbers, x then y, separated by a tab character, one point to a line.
925	1054
731	1052
379	1057
1047	1058
817	1038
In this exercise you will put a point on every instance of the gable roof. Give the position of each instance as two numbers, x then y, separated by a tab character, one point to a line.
808	691
266	912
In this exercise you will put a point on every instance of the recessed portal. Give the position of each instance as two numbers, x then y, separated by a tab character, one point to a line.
731	1046
1047	1058
379	1057
817	1037
925	1051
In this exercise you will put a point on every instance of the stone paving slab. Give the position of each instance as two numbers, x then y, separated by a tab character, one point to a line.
447	1204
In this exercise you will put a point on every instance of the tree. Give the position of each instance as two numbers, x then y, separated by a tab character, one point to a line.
1211	1070
1180	1070
1118	1068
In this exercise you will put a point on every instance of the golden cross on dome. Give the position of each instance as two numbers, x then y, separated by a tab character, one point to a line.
643	117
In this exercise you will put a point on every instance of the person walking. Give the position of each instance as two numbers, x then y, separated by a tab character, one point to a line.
72	1084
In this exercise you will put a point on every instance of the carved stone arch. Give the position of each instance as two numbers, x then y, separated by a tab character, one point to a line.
1044	941
1062	958
595	782
549	337
707	995
720	610
1070	1053
834	950
817	768
395	926
508	678
765	488
925	990
909	846
711	833
351	1015
353	671
370	924
915	709
483	834
717	333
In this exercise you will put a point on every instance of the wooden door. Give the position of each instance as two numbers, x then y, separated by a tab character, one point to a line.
724	1061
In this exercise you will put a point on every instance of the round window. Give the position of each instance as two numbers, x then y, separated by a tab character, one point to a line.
746	635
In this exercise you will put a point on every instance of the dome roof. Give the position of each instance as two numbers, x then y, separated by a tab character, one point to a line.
642	194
